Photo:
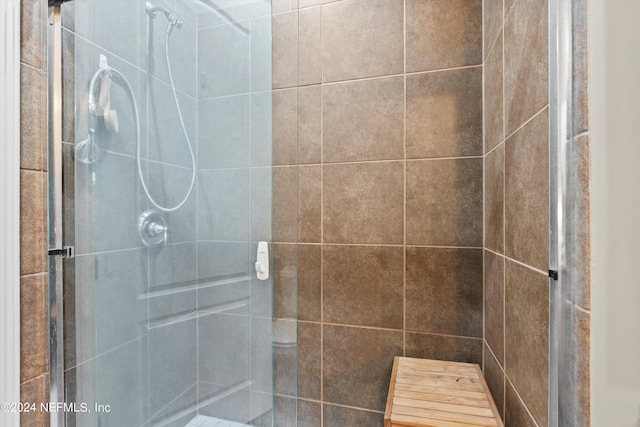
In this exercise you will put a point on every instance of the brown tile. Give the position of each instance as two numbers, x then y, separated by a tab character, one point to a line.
363	120
31	115
580	67
444	202
285	204
527	336
284	411
309	361
493	97
279	6
494	376
339	416
444	113
68	195
32	236
582	367
35	391
363	203
515	412
44	123
73	310
68	80
309	414
285	49
442	347
310	124
307	3
285	370
443	34
285	127
438	301
31	34
494	303
284	281
494	200
493	20
34	327
363	285
310	50
527	193
309	282
310	204
357	365
362	38
526	62
582	222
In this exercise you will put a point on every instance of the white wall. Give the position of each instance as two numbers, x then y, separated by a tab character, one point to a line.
9	208
614	90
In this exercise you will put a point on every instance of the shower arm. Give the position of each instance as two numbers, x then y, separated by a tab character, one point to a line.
174	21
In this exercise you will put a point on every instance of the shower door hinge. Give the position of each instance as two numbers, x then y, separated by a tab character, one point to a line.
66	252
553	274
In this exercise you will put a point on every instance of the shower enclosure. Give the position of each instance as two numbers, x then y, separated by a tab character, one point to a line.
160	222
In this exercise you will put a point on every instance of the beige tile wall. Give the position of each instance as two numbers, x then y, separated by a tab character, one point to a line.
581	208
378	153
516	209
516	214
33	206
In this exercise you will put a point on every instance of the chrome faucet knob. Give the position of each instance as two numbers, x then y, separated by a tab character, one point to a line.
152	229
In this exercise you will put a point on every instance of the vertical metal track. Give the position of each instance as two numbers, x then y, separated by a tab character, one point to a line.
560	219
56	337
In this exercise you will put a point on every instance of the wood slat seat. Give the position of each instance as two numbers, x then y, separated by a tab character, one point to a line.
435	393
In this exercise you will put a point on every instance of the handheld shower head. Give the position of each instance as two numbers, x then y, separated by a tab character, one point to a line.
174	21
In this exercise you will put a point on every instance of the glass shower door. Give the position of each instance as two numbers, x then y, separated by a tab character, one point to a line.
167	193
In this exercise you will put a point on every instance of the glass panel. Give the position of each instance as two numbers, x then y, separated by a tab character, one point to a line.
168	190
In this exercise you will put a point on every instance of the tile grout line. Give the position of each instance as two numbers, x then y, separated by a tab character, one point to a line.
404	201
379	328
581	309
524	405
352	162
522	264
251	174
526	122
197	203
322	9
484	184
504	212
375	245
369	78
497	146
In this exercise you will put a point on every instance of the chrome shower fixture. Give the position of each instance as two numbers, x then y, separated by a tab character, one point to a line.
174	21
152	229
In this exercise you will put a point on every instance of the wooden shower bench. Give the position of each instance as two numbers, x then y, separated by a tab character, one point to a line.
435	393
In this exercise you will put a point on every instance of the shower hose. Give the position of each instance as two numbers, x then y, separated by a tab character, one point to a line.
108	71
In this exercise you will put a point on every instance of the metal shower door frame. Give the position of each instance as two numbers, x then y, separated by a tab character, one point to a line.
561	215
56	321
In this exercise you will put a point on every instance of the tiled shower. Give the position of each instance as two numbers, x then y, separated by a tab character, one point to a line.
381	128
410	204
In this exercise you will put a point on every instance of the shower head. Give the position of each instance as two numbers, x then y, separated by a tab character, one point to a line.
174	21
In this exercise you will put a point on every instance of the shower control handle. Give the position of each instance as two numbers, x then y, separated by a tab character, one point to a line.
262	262
153	229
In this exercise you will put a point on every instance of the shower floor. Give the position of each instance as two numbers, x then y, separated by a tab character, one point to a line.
203	421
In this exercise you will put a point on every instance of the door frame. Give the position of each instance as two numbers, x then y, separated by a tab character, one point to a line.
10	214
